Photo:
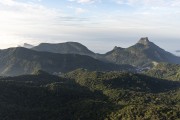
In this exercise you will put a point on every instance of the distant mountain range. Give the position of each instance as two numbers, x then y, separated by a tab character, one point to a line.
178	51
143	53
17	61
65	57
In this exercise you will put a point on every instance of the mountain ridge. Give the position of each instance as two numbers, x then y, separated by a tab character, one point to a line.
64	48
75	55
143	53
17	61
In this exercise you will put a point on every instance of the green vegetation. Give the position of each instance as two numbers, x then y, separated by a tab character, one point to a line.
18	61
82	94
48	97
86	95
165	71
97	90
141	54
135	96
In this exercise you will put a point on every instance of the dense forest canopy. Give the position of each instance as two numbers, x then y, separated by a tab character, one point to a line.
82	94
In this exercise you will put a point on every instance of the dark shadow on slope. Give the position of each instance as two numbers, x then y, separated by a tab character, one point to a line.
141	83
48	97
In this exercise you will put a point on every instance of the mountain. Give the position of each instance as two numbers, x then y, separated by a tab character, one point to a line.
17	61
143	53
65	48
26	45
177	51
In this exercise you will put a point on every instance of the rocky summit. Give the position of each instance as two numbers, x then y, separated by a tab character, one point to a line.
144	41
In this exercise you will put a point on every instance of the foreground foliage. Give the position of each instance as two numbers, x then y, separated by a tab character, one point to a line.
84	95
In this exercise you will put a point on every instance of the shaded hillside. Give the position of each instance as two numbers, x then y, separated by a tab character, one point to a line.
88	96
122	80
141	54
137	97
65	48
165	71
16	61
47	97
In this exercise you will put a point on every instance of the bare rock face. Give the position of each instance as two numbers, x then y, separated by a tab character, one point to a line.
144	41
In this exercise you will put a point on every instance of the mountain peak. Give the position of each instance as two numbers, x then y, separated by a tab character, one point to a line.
144	41
117	48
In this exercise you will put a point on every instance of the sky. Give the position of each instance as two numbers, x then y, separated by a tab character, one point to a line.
98	24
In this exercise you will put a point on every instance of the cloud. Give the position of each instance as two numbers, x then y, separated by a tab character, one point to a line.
77	10
150	3
151	13
29	22
80	10
83	1
83	21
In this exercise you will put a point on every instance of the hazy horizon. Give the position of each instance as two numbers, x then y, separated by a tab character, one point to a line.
124	44
99	25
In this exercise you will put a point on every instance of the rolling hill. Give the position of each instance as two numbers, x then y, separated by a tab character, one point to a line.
17	61
48	97
65	48
88	95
